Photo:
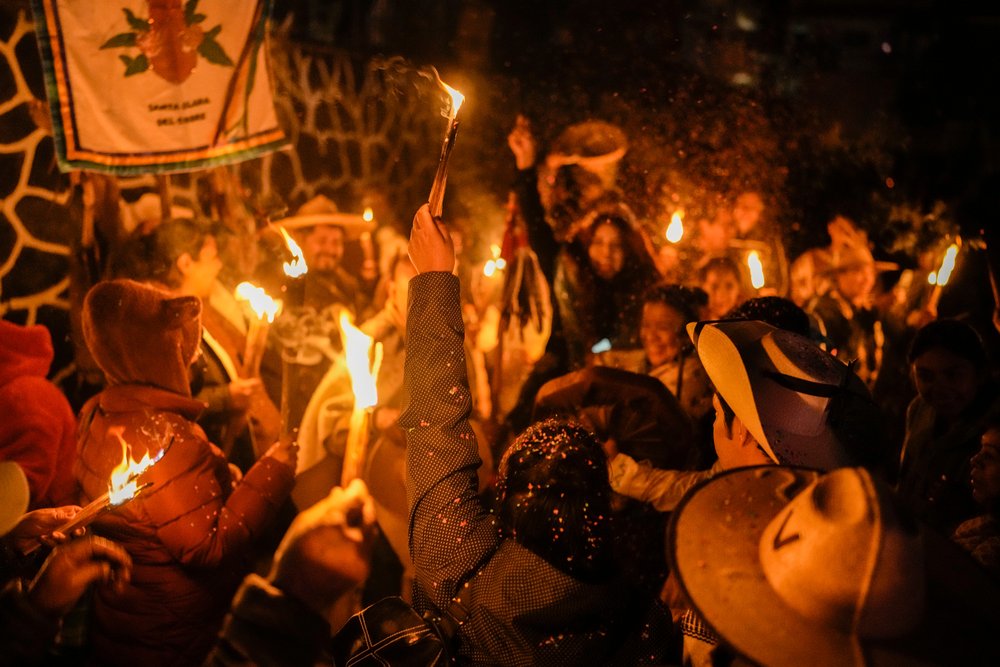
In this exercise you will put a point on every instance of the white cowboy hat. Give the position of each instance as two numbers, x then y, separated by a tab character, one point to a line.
320	210
792	567
786	390
14	495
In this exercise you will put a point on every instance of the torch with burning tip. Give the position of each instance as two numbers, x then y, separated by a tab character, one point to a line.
265	309
941	277
436	198
123	488
363	367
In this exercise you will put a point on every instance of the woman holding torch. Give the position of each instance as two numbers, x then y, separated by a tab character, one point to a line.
188	532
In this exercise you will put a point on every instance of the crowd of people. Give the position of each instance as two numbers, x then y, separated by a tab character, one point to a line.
696	465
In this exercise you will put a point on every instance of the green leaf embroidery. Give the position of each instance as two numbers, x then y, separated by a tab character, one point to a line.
135	65
210	34
190	7
197	18
121	39
213	53
135	22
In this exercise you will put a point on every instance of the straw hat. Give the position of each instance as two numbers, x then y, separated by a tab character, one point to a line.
787	391
791	567
320	210
594	145
849	256
14	495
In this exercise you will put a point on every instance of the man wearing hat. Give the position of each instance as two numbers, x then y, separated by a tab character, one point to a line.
779	399
803	568
323	232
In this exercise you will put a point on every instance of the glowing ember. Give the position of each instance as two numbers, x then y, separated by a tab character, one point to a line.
124	477
357	348
368	215
675	230
947	266
260	301
756	269
297	266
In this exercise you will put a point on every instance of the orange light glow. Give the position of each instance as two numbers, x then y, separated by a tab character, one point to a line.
363	371
947	266
756	269
368	215
675	231
124	476
457	99
264	307
297	266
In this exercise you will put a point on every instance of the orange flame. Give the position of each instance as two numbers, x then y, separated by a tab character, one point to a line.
363	371
124	476
675	231
756	269
368	215
297	266
260	301
942	275
457	99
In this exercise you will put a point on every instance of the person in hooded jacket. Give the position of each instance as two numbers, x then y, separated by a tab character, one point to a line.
38	429
188	532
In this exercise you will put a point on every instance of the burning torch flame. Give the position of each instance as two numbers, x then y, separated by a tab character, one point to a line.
297	266
357	346
262	304
124	484
456	99
368	215
756	269
942	275
675	230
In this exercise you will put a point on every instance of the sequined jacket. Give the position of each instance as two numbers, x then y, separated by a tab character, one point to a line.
520	609
189	534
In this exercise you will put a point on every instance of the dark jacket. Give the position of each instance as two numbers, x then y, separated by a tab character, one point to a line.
522	610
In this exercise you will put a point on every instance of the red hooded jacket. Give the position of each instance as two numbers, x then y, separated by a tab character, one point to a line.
37	428
190	533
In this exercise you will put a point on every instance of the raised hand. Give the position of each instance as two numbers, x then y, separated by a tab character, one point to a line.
431	248
286	450
522	143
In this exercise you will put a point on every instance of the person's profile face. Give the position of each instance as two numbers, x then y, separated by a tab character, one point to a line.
985	477
200	272
948	382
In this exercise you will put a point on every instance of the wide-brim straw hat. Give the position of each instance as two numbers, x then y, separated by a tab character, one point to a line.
594	145
845	257
782	386
791	567
320	210
14	495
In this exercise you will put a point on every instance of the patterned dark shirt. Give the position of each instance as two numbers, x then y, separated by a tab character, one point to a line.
521	609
